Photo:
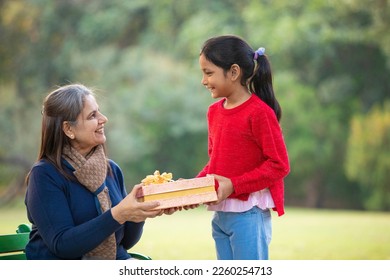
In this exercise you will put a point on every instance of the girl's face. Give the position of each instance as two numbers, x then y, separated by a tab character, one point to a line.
89	129
214	78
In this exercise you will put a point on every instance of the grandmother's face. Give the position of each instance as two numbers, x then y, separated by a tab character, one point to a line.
89	129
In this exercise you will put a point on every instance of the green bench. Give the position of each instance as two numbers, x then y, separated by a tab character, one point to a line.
12	245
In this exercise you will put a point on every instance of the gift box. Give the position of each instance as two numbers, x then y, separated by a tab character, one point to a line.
180	193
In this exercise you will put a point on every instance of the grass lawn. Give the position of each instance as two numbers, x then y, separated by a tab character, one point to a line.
301	234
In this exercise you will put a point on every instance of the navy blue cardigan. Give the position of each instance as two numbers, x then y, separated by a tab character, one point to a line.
65	221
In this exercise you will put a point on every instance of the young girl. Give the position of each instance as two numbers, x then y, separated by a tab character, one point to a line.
247	153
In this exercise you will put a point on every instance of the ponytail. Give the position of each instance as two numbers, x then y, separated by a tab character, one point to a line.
261	82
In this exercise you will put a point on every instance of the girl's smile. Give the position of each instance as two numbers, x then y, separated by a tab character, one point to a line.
214	78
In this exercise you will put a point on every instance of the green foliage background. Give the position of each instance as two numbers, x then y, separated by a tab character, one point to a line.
331	63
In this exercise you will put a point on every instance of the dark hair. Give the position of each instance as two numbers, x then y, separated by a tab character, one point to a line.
224	51
62	104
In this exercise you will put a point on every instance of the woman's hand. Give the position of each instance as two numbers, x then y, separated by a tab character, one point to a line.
130	210
225	188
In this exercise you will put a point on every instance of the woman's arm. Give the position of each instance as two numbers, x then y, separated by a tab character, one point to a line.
50	211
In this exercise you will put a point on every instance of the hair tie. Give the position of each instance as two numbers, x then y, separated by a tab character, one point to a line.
258	53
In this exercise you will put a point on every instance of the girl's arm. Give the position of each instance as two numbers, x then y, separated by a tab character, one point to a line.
275	167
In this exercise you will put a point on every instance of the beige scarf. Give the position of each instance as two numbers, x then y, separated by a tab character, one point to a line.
91	172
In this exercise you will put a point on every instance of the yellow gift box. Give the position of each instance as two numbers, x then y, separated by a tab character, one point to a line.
180	193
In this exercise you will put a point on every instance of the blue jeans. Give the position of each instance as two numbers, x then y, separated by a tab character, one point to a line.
242	236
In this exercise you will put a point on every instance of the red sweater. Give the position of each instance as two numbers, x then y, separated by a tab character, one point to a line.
246	145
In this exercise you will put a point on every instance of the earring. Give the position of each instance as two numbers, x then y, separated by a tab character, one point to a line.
71	136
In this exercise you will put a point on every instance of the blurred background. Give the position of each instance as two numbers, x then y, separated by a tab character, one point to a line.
331	65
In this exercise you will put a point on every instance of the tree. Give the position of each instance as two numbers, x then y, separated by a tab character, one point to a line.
330	61
368	155
156	111
338	67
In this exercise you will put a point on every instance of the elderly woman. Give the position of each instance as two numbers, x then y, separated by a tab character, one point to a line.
76	198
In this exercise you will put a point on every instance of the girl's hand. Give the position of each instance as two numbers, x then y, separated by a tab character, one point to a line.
170	211
129	209
188	207
224	190
192	206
